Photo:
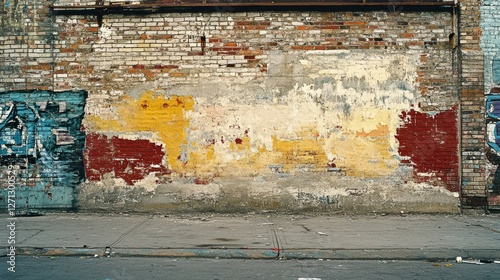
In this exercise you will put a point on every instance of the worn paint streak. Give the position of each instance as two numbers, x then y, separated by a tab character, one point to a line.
431	143
130	160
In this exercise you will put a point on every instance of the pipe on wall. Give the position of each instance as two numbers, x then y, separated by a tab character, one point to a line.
241	3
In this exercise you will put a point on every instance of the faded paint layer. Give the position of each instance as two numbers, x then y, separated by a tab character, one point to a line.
339	113
333	117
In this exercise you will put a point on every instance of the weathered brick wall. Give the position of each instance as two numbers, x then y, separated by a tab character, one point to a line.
472	102
231	110
26	44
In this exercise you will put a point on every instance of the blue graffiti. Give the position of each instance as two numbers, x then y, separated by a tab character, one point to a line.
493	121
17	124
493	137
40	134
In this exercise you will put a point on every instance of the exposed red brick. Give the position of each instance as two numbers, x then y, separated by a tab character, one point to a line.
304	27
431	142
359	23
406	35
130	160
330	27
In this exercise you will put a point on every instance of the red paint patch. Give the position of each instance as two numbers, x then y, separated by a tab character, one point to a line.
238	141
431	143
130	160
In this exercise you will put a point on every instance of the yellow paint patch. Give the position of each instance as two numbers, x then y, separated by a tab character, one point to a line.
380	131
364	146
165	116
294	153
291	155
241	144
363	157
202	161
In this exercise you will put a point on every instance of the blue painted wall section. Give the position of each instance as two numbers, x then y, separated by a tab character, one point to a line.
493	138
490	43
493	122
496	70
41	135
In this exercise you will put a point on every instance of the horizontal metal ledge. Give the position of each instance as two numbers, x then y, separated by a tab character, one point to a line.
248	4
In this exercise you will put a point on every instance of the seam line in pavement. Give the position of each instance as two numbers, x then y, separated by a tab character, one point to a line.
124	235
33	235
276	238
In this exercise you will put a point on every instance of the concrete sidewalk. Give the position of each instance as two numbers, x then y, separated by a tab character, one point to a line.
257	236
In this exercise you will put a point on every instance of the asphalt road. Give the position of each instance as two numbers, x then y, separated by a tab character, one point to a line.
67	268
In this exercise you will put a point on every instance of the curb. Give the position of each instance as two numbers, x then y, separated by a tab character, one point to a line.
37	251
391	254
332	254
149	252
197	253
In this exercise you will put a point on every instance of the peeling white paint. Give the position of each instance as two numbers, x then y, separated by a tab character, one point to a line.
105	33
317	99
